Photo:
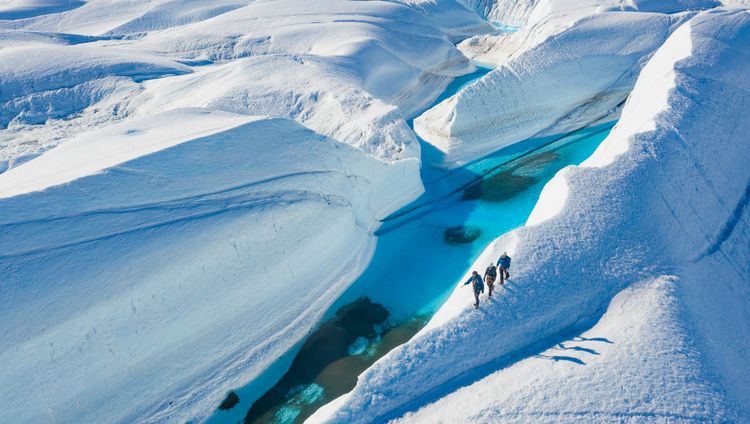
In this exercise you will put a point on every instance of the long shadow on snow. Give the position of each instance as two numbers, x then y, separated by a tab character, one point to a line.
478	373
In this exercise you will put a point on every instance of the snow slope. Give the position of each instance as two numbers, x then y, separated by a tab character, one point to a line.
332	103
572	63
622	353
510	13
110	16
143	292
49	79
398	52
20	9
659	215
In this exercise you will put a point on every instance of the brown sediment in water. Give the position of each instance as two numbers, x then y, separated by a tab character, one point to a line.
462	234
538	160
341	376
325	361
506	184
325	346
499	187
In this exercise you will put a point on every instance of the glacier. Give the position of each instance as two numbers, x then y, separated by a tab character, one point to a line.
142	270
188	187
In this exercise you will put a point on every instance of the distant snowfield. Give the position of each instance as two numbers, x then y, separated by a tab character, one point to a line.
186	187
378	62
20	9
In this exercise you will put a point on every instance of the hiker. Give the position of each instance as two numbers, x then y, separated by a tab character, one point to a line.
490	274
477	285
504	263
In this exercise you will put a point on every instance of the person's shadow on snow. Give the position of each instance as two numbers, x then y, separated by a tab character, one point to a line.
557	358
562	346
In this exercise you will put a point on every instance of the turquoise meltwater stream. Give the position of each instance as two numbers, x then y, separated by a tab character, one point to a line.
421	253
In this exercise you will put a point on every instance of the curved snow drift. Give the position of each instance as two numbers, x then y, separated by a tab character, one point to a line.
353	71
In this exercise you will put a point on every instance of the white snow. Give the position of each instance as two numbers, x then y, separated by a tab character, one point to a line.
397	53
366	65
187	186
655	225
101	149
621	353
19	9
102	16
561	73
510	13
147	290
33	77
333	103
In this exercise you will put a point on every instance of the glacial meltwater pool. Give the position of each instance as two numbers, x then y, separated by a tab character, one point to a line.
421	253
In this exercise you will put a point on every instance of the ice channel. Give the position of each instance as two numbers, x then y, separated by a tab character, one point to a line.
422	251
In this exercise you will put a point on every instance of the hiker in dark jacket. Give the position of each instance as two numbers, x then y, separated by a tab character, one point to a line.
490	274
504	264
476	283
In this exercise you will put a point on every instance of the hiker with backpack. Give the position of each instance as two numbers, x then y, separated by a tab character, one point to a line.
476	283
490	274
504	263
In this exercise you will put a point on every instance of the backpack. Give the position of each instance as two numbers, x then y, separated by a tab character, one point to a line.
478	284
491	271
505	261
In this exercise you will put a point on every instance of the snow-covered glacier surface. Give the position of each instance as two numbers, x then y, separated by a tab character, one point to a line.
352	70
628	298
186	187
